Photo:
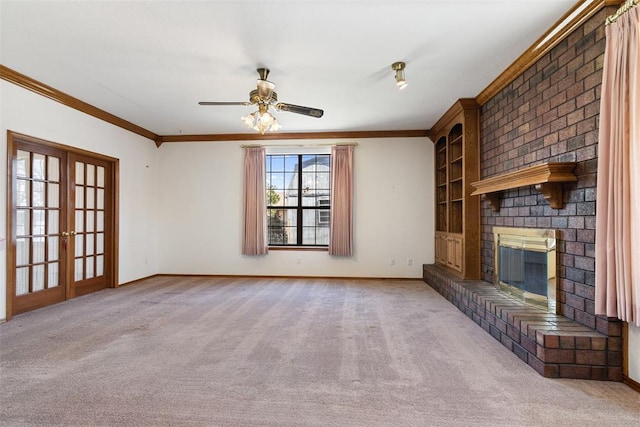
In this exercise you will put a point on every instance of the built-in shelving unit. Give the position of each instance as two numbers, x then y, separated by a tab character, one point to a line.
547	178
457	212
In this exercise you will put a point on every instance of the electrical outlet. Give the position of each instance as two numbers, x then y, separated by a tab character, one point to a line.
409	261
392	261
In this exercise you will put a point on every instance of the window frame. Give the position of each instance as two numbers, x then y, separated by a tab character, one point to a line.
299	208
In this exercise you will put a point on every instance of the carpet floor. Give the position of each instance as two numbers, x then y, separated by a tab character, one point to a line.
200	351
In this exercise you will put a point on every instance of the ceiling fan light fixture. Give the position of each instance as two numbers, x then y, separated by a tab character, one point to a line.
263	97
261	121
399	67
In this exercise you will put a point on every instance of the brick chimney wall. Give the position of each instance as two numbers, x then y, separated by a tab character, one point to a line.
550	114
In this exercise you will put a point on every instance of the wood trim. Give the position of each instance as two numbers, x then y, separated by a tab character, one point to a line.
115	224
9	221
74	150
54	94
631	383
452	113
547	178
133	282
558	32
418	133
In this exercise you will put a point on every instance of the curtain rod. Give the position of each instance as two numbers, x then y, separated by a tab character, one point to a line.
629	4
352	144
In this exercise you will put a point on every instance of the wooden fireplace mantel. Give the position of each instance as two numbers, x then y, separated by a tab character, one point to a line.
547	179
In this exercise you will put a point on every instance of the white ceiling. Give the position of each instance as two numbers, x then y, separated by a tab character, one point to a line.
150	62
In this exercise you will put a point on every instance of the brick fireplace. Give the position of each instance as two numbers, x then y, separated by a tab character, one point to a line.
549	113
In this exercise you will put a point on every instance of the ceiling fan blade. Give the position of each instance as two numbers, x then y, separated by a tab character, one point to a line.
298	109
224	103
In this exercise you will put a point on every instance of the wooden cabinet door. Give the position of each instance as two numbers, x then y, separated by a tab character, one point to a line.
455	250
441	248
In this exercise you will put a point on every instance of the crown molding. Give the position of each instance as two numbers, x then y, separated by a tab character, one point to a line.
571	20
47	91
420	133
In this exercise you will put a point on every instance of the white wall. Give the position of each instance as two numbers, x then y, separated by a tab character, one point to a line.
201	203
634	352
25	112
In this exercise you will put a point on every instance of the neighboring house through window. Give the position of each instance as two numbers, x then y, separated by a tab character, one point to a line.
298	199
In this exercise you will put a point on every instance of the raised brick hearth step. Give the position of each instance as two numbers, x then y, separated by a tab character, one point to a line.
553	345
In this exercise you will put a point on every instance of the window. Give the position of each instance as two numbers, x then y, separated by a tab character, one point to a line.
298	199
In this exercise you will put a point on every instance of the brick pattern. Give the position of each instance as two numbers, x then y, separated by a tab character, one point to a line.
550	113
553	345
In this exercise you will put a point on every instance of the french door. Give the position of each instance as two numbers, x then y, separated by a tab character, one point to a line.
60	223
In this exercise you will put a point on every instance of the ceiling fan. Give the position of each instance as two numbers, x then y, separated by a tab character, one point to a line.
264	96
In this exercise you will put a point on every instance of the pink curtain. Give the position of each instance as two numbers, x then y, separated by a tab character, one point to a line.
341	226
255	209
618	203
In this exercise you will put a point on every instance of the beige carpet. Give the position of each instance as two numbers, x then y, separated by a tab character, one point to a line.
279	352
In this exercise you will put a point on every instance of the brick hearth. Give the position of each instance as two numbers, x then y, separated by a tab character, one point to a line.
554	345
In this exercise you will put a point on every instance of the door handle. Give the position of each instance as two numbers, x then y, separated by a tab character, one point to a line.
65	235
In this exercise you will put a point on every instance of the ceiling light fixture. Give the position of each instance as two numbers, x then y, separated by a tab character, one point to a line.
262	120
398	67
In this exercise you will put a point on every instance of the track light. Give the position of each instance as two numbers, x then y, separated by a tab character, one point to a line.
398	67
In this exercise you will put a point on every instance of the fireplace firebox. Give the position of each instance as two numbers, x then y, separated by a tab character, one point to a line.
525	264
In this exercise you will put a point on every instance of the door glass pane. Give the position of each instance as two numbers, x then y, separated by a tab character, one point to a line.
89	270
79	245
38	249
23	191
23	248
80	173
22	222
79	197
53	172
99	243
38	277
23	164
22	280
54	275
79	271
99	221
53	244
79	226
89	248
91	175
100	182
90	217
100	199
53	225
38	166
99	265
38	221
38	194
91	197
53	200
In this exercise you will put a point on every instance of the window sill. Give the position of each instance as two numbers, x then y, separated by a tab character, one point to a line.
299	248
